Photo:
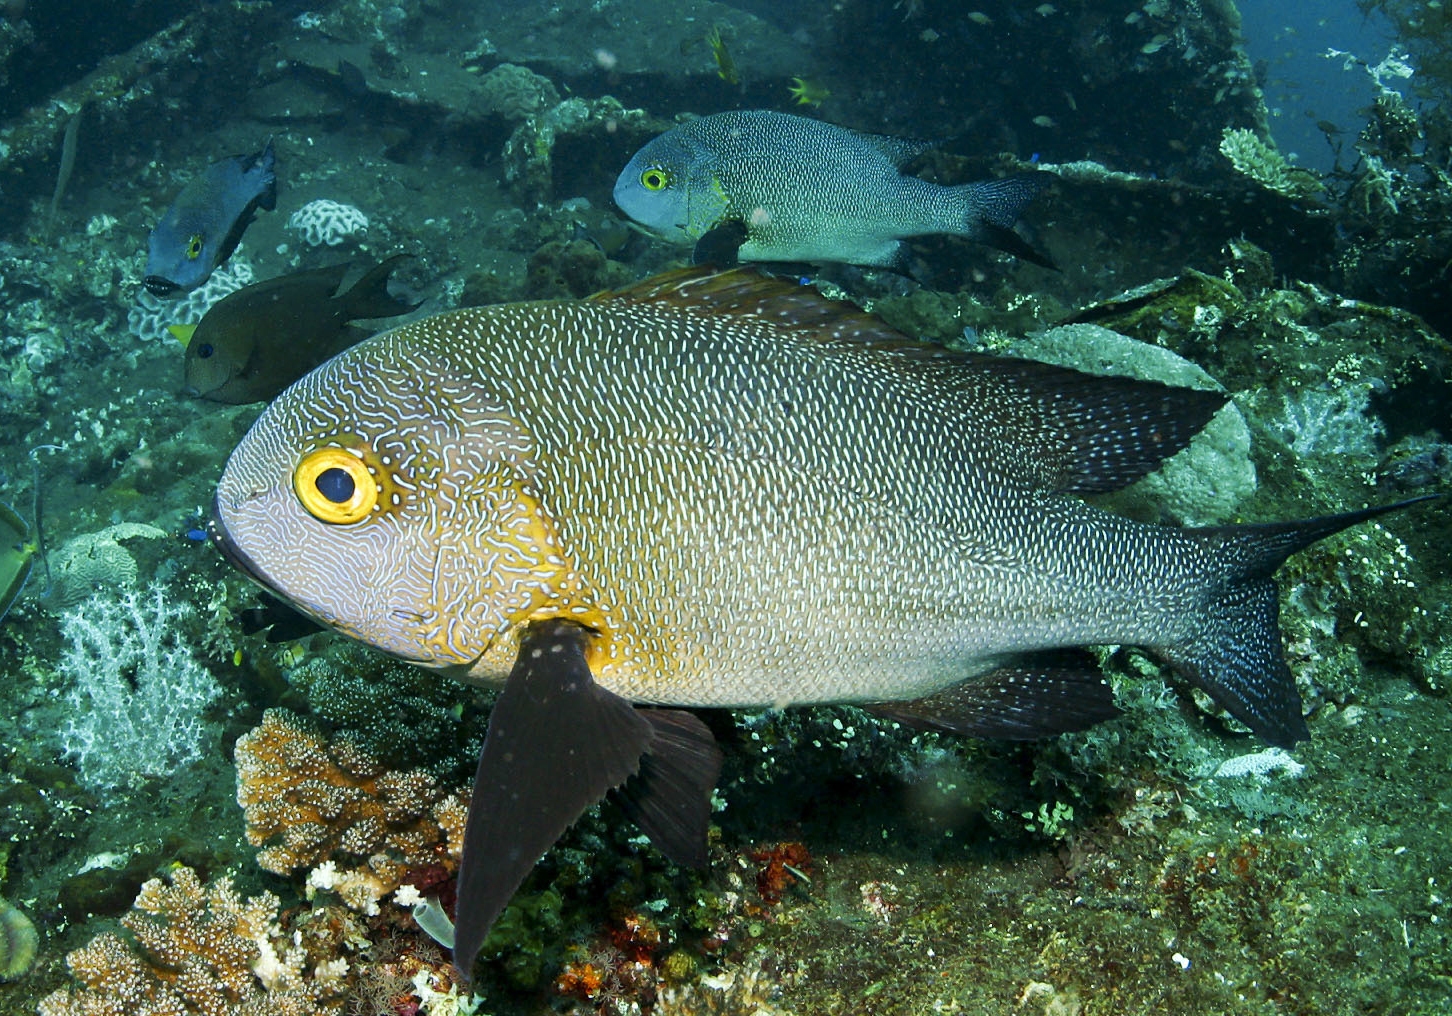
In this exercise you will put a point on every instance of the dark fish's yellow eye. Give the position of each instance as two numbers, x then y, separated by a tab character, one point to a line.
194	246
655	178
335	486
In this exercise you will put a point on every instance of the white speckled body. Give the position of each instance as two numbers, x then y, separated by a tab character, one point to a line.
803	189
750	512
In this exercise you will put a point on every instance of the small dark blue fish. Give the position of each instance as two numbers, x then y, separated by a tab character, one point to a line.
204	224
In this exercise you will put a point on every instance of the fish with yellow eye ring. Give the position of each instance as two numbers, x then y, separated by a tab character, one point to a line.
202	227
803	190
717	489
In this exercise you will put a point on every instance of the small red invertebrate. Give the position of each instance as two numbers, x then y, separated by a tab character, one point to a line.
782	866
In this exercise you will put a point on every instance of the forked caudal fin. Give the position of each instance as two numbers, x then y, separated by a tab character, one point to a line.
996	206
1235	655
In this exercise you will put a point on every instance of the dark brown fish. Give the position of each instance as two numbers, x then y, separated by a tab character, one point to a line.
255	342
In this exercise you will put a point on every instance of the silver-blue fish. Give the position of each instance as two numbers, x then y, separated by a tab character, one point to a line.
789	188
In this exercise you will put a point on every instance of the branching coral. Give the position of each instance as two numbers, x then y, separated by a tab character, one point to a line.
1256	159
138	692
204	950
339	811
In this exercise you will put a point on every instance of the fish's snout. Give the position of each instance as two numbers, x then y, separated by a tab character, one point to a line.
156	285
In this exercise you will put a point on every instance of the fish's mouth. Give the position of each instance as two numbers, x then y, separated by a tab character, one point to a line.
158	286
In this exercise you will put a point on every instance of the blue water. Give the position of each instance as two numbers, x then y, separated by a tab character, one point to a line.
1302	83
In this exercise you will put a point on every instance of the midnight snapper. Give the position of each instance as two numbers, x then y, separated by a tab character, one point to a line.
724	490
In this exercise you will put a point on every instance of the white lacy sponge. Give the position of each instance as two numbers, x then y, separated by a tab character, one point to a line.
328	222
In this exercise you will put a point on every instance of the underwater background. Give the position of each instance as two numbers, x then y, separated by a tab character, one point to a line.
185	774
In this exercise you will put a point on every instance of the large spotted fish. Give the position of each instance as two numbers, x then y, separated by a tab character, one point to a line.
719	490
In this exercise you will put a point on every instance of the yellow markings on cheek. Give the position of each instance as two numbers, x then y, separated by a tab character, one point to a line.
555	587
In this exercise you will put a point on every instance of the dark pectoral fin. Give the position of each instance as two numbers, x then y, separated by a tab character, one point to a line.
557	742
1040	695
670	798
719	245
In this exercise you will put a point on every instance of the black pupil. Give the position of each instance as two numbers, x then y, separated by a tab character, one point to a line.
335	485
204	350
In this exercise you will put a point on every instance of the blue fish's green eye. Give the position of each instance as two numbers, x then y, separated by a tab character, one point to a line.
194	246
655	179
335	486
205	350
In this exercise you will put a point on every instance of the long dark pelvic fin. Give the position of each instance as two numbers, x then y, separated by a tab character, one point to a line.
1039	695
720	245
558	743
670	798
1236	655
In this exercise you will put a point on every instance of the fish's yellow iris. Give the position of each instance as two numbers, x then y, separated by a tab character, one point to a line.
335	486
655	179
194	246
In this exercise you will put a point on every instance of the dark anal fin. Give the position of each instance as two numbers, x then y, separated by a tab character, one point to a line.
1040	695
719	245
670	798
557	742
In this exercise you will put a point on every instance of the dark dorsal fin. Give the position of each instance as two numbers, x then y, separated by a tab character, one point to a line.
899	151
749	293
369	296
1101	433
1081	432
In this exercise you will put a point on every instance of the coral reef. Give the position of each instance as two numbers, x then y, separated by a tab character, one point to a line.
18	942
515	92
1258	764
1101	871
204	950
360	826
1257	159
1331	419
421	728
91	563
328	223
749	987
137	690
149	317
